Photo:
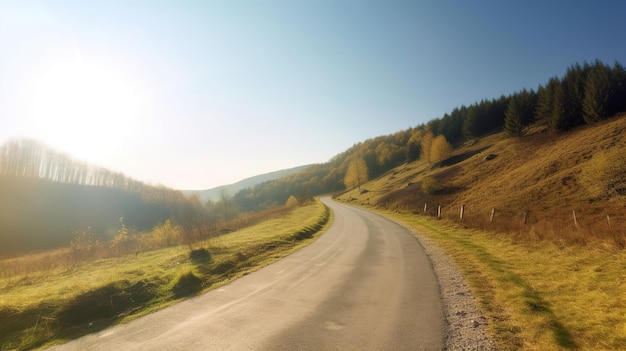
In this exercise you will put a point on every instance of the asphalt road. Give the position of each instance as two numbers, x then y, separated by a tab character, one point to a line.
366	284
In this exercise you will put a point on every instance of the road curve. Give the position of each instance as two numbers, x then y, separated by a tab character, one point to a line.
366	284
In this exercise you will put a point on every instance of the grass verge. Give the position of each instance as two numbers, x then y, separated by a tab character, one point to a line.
543	297
48	307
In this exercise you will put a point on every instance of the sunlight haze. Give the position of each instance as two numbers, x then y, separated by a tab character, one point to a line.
198	94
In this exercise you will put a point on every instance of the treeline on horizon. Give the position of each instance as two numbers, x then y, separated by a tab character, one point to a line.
46	198
585	94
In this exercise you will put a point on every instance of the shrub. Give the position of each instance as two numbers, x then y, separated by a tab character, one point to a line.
162	235
292	201
85	245
187	284
430	185
200	254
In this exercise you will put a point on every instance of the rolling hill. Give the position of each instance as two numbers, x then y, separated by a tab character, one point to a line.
566	187
215	194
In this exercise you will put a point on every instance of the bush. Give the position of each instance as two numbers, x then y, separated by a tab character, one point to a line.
430	185
200	254
292	201
187	284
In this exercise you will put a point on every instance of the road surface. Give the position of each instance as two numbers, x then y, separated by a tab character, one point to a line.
366	284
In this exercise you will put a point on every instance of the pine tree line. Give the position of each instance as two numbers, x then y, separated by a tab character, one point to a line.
585	94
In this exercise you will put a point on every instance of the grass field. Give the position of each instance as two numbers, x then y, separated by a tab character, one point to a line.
53	305
542	297
535	184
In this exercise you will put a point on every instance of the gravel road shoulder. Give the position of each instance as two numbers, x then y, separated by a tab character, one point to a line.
466	327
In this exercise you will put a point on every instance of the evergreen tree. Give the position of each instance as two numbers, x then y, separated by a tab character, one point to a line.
575	79
452	126
484	117
598	91
545	101
617	100
561	109
470	122
513	124
520	112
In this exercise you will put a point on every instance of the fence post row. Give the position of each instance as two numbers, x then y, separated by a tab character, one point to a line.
525	215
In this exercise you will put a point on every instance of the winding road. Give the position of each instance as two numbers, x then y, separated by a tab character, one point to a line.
366	284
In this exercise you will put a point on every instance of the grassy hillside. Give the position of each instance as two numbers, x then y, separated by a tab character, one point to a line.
535	184
64	301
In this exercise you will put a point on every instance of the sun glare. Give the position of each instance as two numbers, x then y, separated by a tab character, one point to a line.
85	108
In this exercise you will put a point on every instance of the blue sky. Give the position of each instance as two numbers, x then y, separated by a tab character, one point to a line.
197	94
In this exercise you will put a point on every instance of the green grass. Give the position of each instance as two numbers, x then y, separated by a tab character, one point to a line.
543	297
52	306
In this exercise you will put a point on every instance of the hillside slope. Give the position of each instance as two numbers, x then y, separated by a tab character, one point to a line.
537	184
214	194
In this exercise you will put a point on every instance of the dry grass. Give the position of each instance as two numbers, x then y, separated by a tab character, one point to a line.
544	297
541	177
49	305
161	236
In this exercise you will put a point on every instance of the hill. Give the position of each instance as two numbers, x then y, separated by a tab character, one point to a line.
215	194
543	164
47	198
564	187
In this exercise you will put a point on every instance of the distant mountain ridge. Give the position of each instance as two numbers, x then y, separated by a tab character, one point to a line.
214	194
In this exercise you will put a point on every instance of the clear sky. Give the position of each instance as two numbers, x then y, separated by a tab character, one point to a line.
197	94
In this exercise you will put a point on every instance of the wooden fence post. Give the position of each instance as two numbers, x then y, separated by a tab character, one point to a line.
439	212
608	219
425	207
462	210
493	213
575	221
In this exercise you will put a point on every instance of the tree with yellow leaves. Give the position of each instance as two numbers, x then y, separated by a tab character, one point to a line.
357	174
440	149
426	145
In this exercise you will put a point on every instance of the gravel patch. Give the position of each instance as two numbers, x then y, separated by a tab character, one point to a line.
466	325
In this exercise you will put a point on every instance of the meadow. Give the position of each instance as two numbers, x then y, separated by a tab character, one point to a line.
52	302
536	296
